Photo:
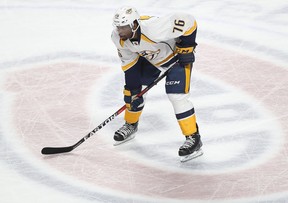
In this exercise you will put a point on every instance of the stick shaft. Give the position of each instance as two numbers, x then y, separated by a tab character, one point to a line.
57	150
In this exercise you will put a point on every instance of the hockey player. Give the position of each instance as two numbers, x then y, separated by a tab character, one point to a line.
145	46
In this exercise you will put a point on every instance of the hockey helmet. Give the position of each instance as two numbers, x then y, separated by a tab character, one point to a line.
126	16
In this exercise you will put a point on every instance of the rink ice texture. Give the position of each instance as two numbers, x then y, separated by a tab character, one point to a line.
60	77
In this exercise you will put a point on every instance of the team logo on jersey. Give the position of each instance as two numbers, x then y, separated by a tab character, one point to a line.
149	55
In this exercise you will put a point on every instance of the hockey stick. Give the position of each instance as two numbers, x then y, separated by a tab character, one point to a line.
58	150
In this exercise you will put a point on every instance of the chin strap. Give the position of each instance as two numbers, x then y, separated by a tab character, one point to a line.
134	31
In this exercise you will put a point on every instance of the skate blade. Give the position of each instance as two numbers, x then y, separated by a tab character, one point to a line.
192	156
121	142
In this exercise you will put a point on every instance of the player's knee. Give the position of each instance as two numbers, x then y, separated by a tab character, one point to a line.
180	102
178	97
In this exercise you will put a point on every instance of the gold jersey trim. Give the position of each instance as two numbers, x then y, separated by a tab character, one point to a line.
121	42
165	60
129	65
191	30
145	38
145	17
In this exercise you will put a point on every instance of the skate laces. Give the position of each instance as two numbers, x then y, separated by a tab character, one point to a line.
189	142
126	130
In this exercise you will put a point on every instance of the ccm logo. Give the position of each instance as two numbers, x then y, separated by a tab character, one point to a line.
173	82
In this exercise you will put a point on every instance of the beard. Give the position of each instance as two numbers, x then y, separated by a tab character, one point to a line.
124	38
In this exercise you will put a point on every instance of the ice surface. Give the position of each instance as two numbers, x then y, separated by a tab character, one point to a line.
60	78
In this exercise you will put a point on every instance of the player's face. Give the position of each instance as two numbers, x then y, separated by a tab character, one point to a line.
125	32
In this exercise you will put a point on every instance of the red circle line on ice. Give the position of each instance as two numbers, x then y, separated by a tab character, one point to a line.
50	104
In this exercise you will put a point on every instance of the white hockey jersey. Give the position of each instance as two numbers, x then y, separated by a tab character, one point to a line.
157	40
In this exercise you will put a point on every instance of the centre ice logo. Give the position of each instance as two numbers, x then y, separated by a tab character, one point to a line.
51	110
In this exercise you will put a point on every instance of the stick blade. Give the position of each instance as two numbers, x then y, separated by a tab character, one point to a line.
56	150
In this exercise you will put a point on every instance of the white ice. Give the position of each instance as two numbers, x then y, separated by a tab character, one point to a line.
60	77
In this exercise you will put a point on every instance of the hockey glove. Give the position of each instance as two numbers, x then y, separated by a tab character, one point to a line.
185	55
132	101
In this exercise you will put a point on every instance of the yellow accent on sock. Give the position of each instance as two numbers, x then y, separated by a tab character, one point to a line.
132	117
188	125
128	106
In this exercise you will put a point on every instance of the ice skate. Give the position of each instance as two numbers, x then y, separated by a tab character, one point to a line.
191	148
125	133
